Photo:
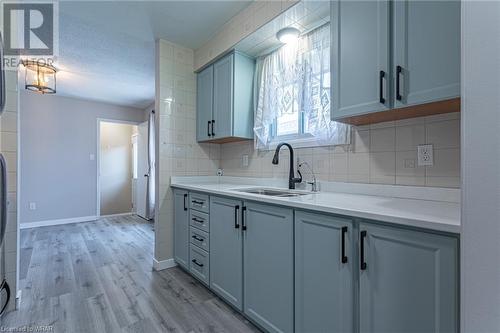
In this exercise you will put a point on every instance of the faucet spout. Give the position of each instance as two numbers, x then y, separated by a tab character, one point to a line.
291	176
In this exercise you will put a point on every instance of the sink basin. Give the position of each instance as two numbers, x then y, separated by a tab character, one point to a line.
273	192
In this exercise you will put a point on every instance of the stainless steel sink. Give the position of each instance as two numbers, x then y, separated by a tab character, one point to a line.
272	192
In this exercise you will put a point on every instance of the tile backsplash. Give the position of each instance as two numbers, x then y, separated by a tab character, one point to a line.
384	153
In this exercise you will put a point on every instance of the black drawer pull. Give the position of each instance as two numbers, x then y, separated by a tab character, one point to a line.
199	239
196	220
343	258
236	224
185	198
362	250
197	263
208	128
196	202
381	87
399	70
243	223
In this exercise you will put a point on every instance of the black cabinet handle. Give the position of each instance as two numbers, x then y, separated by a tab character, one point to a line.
199	239
196	220
197	263
399	70
343	256
185	199
243	223
236	209
362	250
381	86
208	128
213	122
196	202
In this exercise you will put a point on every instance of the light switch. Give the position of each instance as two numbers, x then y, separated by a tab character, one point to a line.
32	205
92	157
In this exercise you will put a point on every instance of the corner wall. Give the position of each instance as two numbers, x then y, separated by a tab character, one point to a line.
177	152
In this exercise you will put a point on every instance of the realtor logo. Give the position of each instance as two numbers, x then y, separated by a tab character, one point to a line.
30	29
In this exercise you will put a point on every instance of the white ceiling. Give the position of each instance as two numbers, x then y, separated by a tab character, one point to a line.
106	48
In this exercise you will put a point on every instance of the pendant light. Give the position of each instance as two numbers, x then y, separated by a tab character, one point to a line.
39	77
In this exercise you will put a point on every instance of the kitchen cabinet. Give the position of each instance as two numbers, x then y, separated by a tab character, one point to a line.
226	255
225	100
388	57
204	103
181	228
408	281
324	280
426	51
360	57
268	266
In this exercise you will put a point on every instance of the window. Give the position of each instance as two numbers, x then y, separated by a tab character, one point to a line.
293	95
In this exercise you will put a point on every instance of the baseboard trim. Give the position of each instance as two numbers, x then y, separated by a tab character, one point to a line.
163	264
46	223
115	215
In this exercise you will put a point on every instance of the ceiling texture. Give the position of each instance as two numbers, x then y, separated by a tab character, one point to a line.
106	48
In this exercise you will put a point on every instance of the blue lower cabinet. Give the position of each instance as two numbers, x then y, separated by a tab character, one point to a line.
226	250
181	228
324	280
408	281
268	266
199	264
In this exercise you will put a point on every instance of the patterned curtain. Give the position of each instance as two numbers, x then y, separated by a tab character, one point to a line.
296	78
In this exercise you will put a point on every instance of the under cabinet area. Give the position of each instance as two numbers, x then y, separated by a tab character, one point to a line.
291	270
224	110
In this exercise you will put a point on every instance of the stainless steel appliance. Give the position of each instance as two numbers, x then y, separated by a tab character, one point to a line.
4	286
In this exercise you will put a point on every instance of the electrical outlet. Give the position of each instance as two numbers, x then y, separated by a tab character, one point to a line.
244	160
32	205
425	155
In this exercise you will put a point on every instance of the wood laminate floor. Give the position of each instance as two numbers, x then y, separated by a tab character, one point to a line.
97	277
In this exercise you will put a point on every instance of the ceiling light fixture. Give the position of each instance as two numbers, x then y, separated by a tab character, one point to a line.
39	77
288	35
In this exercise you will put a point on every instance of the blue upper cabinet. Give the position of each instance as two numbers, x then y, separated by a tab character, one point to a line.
204	103
426	51
225	100
360	61
389	55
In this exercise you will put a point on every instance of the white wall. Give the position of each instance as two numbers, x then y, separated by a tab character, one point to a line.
58	135
115	176
177	152
480	244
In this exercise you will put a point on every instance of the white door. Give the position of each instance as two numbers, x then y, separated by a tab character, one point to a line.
142	169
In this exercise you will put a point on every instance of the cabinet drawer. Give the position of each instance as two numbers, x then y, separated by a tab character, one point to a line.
199	264
199	238
199	202
199	220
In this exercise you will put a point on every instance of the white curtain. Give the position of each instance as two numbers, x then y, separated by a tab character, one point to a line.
296	78
150	206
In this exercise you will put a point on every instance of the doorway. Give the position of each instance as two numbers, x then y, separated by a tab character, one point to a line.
141	188
117	168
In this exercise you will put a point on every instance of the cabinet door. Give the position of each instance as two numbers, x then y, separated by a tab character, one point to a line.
427	49
223	97
410	281
268	266
226	250
204	103
181	228
360	67
324	259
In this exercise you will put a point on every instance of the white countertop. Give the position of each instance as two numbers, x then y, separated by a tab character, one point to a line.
430	214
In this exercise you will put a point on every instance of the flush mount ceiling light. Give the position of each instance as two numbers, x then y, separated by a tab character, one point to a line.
39	77
288	35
